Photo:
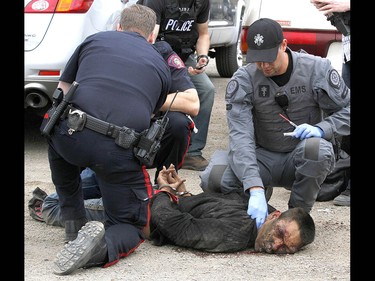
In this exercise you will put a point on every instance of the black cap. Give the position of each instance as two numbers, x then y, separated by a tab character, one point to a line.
263	40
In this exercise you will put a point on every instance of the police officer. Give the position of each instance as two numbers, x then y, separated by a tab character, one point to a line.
184	25
123	81
182	103
181	107
276	85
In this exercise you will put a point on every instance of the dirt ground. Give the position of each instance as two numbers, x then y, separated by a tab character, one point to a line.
327	258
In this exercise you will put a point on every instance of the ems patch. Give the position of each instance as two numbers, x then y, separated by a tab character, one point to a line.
264	91
175	61
232	87
334	78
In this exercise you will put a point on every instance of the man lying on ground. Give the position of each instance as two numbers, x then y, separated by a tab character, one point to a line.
212	222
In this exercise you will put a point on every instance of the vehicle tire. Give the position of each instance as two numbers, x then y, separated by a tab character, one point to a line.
228	60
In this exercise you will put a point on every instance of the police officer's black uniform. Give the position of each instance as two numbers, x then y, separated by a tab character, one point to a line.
179	22
176	140
122	80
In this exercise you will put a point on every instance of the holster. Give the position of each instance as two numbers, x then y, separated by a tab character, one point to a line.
76	120
127	138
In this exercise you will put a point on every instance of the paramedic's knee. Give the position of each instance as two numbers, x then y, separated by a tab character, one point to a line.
315	156
212	175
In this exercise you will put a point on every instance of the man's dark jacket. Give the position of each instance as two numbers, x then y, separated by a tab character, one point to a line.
212	222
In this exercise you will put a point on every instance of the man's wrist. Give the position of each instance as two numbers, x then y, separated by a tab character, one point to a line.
203	56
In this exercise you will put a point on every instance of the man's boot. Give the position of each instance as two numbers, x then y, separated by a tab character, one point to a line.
87	250
72	227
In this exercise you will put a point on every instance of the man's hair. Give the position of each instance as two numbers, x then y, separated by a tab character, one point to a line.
304	221
138	18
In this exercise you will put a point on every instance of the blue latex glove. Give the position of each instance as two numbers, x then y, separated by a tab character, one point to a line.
305	131
257	208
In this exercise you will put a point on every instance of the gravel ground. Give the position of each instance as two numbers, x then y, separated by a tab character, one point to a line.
327	258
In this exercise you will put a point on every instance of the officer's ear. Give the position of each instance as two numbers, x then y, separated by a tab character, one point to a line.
118	27
151	38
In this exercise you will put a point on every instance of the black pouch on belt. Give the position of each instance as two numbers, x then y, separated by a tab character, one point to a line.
127	138
76	120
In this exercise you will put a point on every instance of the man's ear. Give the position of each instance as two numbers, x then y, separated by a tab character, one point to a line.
151	38
273	215
118	27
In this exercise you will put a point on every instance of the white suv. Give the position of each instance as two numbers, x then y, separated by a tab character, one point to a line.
303	26
53	29
224	27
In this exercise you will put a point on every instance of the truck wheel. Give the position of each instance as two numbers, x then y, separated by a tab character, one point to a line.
228	60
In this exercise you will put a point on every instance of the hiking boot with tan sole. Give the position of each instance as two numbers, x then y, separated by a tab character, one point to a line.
196	163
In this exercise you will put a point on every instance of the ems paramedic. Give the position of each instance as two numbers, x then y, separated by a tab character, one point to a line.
279	85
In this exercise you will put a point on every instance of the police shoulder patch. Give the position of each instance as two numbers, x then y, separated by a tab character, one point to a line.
334	78
232	87
175	61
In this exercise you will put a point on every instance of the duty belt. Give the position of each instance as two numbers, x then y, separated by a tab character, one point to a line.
124	136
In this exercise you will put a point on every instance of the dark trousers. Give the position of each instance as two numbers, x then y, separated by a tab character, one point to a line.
124	185
175	142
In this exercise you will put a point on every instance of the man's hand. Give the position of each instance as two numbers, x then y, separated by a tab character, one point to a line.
331	6
195	71
202	62
305	131
257	208
169	177
163	177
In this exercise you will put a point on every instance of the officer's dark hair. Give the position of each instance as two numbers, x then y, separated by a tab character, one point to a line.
138	18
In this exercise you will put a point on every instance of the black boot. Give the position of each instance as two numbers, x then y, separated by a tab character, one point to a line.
89	249
72	227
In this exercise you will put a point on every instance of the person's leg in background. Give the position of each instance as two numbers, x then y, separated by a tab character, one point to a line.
344	198
194	159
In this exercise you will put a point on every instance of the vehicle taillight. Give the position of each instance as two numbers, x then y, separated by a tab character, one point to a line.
49	73
314	42
58	6
243	35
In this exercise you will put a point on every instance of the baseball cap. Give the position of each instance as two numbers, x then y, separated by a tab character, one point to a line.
263	40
